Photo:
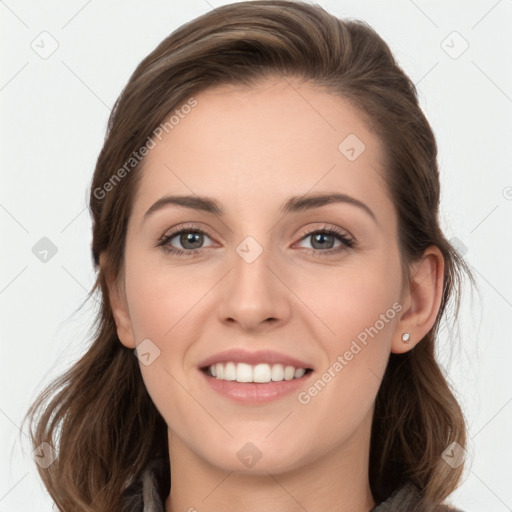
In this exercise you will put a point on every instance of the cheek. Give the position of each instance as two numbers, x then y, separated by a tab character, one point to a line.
366	310
345	389
159	297
348	300
358	308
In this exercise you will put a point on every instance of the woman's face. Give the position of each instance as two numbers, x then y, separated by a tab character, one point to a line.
258	278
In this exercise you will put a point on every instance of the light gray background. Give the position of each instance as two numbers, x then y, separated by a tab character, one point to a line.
54	114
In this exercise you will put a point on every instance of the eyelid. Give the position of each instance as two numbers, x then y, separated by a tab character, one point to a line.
184	227
308	230
347	240
328	227
170	234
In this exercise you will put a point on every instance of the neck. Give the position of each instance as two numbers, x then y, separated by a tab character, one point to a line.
336	481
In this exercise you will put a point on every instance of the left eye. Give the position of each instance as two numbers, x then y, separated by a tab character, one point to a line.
320	236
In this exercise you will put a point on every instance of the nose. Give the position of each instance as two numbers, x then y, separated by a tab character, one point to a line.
254	293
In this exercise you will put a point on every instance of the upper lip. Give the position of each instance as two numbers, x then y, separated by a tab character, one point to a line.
239	355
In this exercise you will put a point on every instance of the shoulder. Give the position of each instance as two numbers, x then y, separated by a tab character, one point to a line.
143	495
407	497
152	501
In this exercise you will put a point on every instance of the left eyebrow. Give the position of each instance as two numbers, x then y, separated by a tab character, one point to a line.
293	204
301	203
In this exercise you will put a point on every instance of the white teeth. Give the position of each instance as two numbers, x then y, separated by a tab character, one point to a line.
289	373
242	372
277	372
230	371
299	372
261	373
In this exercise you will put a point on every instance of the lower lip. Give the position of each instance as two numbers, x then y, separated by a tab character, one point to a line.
255	392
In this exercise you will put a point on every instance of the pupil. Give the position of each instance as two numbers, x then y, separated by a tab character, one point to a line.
320	237
189	237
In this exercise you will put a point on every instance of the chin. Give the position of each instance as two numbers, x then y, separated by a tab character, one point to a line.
257	459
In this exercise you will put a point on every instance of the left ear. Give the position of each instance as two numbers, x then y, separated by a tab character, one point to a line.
421	299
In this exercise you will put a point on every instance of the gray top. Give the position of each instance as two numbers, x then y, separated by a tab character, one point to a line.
147	499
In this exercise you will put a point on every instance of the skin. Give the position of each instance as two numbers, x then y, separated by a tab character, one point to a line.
250	149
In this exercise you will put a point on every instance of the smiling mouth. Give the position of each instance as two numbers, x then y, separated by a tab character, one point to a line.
259	373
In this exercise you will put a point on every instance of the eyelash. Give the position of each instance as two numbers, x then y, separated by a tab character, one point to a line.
347	242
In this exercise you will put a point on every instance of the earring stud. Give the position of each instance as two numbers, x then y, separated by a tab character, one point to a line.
406	337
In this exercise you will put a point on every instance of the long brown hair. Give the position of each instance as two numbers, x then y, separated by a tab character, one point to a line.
98	415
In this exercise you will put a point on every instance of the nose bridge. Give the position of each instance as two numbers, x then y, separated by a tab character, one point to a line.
253	292
251	261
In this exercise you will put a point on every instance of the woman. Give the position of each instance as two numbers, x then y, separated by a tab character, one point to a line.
285	359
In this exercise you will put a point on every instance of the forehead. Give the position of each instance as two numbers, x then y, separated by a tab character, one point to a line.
249	145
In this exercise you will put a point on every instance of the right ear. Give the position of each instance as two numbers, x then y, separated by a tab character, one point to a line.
119	306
